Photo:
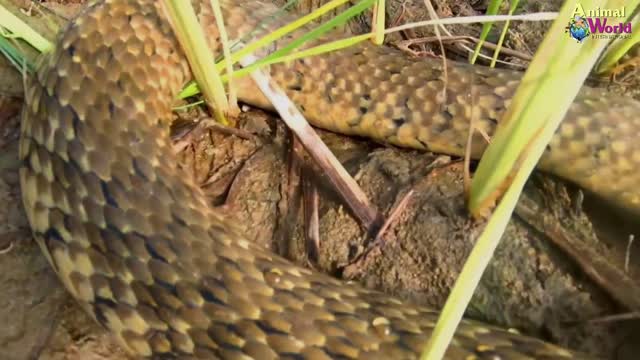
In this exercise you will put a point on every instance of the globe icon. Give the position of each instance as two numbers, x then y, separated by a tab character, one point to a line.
578	29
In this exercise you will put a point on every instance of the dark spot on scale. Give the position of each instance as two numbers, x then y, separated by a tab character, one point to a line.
71	50
73	165
153	252
294	356
437	73
165	285
488	354
399	121
296	87
439	127
363	110
216	229
493	120
264	326
447	114
112	108
165	356
114	229
349	343
52	235
67	222
107	194
598	149
226	345
138	170
98	305
302	108
548	148
424	144
366	96
75	122
179	220
334	355
209	297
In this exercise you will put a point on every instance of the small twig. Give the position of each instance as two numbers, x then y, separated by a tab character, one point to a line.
578	200
29	11
445	72
456	38
380	239
183	140
467	152
393	216
407	34
346	186
405	45
540	16
631	64
7	249
311	218
612	318
466	176
628	253
7	241
608	277
289	204
484	135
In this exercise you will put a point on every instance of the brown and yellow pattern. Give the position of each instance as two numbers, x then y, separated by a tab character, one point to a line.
134	240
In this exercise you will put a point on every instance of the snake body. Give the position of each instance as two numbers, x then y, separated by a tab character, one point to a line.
134	240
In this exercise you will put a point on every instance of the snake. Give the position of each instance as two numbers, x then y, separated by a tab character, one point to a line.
134	240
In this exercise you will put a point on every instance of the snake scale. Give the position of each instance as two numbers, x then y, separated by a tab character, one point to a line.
134	240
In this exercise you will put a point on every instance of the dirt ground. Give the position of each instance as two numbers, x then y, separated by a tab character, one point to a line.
532	283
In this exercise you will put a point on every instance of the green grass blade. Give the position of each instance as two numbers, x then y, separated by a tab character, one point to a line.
512	9
322	29
558	75
340	19
226	50
14	56
379	23
189	32
16	28
619	48
547	90
494	5
287	29
314	51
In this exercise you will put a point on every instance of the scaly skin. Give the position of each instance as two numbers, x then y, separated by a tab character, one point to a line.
135	242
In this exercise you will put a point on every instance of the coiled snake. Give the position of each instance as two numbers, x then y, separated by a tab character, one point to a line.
135	242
